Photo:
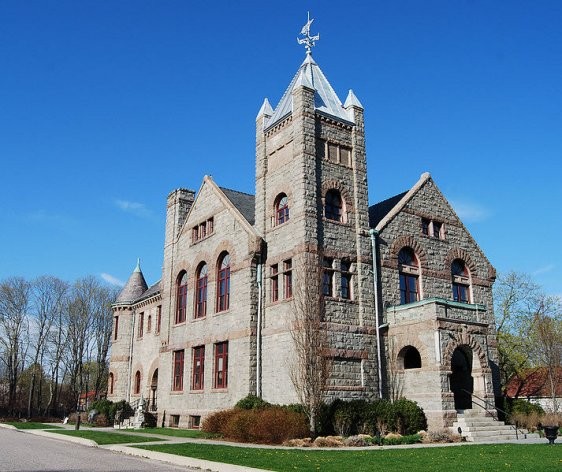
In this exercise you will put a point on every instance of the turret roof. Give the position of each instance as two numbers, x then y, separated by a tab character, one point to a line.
134	288
325	99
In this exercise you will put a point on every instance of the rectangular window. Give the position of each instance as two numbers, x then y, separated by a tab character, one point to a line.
408	288
288	278
345	156
437	227
194	422
346	280
174	421
141	324
333	152
328	277
460	293
198	370
177	383
274	282
149	324
202	230
158	318
115	327
221	365
425	226
210	225
195	234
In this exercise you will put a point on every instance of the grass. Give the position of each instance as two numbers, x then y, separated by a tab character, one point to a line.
468	458
178	433
32	425
103	437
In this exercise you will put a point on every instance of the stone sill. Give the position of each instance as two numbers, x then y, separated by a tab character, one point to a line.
438	301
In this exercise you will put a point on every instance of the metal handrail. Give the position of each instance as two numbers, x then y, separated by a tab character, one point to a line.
494	413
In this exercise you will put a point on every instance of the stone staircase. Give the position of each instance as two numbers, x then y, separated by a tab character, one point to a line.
477	427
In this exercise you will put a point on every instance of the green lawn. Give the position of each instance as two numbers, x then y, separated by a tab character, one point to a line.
32	425
178	433
103	437
465	458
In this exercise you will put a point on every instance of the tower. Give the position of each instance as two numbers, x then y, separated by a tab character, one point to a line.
312	205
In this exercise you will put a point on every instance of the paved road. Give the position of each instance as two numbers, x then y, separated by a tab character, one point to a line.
21	452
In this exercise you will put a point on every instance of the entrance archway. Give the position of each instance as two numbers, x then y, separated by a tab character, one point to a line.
153	391
462	382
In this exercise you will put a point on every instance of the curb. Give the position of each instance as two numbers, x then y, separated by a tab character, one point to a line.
182	460
7	426
63	437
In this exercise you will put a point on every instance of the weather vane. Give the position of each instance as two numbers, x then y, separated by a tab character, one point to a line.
308	40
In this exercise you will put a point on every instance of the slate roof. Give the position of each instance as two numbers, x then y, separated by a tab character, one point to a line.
152	290
325	99
134	288
244	203
379	210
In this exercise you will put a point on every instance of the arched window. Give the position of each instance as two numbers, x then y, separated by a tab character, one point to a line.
223	282
110	383
333	206
201	291
461	281
281	209
409	271
137	386
412	358
181	297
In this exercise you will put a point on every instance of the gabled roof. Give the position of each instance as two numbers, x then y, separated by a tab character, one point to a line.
383	212
244	203
325	99
134	288
154	289
534	383
379	210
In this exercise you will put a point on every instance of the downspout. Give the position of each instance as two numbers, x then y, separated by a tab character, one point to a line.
134	315
374	234
258	331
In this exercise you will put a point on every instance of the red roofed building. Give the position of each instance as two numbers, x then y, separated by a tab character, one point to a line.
535	385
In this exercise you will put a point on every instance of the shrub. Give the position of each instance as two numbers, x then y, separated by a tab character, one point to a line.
441	436
408	417
103	407
251	402
523	406
350	417
397	439
217	422
101	420
268	425
149	420
360	440
328	441
122	406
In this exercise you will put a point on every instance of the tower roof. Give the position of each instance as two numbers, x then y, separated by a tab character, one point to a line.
134	288
325	99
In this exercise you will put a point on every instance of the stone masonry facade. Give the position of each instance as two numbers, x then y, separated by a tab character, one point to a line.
217	326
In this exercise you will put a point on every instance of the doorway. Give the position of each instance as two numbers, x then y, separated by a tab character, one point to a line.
462	382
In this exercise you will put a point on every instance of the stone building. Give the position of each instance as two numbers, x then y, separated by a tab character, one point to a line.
405	300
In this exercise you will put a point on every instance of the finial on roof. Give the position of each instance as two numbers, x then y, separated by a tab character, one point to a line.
352	100
137	268
265	109
308	40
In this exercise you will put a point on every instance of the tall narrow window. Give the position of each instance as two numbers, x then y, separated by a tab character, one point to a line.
141	324
177	381
281	209
328	277
333	206
408	267
221	365
149	324
201	291
137	384
158	318
110	383
181	298
115	327
437	228
223	282
274	282
198	371
346	280
288	278
425	226
461	281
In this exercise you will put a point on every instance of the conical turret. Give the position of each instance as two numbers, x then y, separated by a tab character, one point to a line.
134	288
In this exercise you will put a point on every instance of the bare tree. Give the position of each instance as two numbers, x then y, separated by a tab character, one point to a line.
14	328
47	298
546	339
395	373
310	372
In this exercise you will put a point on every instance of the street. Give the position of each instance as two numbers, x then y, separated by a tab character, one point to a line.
23	452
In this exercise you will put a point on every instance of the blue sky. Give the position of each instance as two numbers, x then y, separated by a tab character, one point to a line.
107	106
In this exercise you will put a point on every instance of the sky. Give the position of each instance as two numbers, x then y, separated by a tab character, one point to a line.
107	106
